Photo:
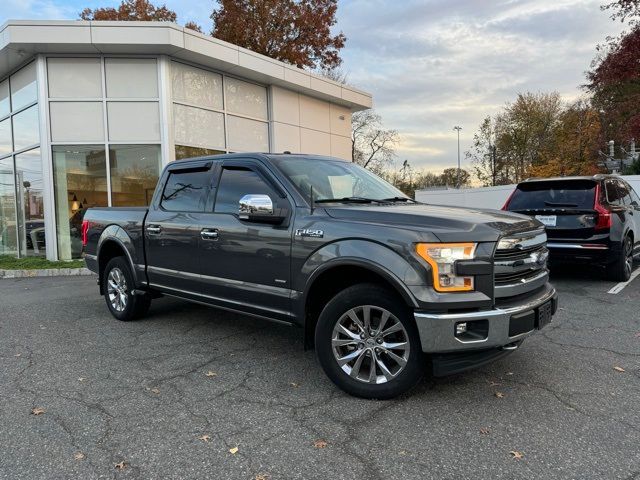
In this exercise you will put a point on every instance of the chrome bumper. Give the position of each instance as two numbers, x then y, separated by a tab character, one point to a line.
437	331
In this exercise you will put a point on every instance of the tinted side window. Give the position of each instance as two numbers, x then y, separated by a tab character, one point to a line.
635	198
235	183
613	196
186	191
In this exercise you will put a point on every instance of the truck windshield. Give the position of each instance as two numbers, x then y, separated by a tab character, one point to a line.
571	194
336	180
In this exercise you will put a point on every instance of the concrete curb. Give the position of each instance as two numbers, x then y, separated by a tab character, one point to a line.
45	272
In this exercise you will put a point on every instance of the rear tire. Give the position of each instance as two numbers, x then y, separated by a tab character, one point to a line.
118	284
367	343
620	270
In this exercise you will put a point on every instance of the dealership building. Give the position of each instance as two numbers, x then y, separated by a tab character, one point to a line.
90	112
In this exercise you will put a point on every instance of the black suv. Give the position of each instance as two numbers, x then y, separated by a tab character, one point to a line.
593	220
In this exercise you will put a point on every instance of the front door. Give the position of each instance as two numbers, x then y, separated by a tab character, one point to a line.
172	228
246	265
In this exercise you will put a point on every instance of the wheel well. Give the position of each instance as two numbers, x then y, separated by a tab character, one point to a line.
108	250
329	284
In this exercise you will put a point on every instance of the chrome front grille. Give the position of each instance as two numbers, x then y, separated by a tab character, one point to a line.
520	263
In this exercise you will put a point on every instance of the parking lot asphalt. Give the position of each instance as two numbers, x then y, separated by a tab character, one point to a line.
173	395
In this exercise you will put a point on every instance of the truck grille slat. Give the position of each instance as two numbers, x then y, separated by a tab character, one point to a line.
520	259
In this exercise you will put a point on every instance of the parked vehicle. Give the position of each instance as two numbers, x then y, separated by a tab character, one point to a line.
593	220
376	280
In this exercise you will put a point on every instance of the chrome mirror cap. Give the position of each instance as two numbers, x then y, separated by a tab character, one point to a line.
254	205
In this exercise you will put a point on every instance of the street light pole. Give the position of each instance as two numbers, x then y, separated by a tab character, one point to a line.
458	128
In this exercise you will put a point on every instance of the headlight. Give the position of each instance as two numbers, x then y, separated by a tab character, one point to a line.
442	258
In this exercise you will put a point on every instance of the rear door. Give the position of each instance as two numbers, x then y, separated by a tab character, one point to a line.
173	225
565	207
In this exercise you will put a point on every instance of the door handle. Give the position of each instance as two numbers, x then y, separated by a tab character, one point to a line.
154	229
209	233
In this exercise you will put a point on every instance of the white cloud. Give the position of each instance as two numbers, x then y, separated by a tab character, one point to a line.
434	64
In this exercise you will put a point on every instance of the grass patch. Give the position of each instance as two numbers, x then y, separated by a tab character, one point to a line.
7	262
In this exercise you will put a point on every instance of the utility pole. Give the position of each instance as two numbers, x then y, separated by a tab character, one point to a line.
458	128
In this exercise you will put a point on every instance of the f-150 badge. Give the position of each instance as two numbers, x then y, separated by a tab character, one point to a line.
306	232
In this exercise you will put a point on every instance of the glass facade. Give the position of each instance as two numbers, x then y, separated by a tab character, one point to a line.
22	229
214	112
104	134
106	138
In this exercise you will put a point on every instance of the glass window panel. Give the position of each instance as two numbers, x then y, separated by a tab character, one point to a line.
247	135
131	77
80	182
134	174
245	98
29	184
196	86
8	224
133	121
74	77
183	151
198	127
26	129
76	121
5	106
235	184
186	191
24	89
6	144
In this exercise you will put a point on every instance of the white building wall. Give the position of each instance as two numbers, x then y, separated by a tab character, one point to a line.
302	124
485	197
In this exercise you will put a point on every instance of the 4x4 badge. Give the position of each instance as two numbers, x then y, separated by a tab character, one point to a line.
306	232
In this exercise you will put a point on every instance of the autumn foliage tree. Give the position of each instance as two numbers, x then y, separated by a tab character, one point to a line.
293	31
132	10
614	79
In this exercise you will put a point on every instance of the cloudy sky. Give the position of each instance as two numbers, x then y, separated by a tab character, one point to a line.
433	64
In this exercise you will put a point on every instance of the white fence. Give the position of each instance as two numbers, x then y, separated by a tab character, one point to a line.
485	197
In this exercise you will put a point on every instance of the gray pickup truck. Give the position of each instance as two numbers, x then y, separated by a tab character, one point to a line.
384	287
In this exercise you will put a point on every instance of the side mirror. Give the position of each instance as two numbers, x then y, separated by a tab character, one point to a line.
259	208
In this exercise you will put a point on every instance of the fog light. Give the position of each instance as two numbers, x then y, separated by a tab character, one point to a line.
461	328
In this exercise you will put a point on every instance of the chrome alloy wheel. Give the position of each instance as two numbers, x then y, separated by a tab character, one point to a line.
370	344
117	290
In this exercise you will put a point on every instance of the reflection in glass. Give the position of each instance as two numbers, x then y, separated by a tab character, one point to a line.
5	108
134	174
8	224
245	98
80	182
196	86
29	184
247	135
24	89
183	151
26	131
198	127
5	137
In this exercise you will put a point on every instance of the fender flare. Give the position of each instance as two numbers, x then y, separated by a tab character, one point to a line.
388	264
116	234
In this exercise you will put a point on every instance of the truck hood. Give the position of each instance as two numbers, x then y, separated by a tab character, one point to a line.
449	224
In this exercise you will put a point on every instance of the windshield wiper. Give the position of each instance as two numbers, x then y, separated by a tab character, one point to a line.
348	200
399	199
560	204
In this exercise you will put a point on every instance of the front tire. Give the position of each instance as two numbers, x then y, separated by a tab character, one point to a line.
620	270
118	284
368	344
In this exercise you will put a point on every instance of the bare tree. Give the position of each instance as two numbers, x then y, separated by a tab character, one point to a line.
372	146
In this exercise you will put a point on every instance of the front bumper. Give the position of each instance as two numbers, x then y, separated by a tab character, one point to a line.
438	331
